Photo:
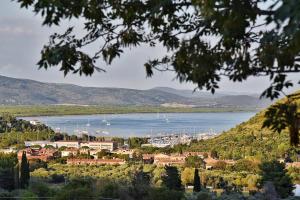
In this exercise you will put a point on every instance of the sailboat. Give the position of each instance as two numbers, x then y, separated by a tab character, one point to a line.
157	116
104	120
88	124
166	119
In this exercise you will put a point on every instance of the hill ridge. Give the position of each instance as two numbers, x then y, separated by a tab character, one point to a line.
15	91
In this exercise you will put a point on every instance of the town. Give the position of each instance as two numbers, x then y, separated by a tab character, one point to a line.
110	153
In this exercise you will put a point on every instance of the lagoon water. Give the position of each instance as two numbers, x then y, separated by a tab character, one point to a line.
145	124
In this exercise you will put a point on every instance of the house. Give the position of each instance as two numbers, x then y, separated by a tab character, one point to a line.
110	146
161	156
44	154
124	152
148	158
200	154
69	152
211	162
115	161
168	162
163	159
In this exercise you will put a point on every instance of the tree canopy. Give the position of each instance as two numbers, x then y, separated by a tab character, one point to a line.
204	40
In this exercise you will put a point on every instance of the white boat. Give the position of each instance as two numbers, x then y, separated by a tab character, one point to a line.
107	124
105	132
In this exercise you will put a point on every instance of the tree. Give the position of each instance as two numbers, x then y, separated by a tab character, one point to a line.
238	49
7	178
194	162
246	165
135	142
187	176
284	115
220	165
275	172
8	163
171	179
102	153
204	40
197	184
140	185
24	171
214	154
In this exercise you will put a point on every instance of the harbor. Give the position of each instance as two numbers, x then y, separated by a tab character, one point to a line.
145	124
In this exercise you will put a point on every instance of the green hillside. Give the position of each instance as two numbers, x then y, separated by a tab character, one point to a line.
250	139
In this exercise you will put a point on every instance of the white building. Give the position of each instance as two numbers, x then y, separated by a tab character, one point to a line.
68	152
69	144
100	145
41	143
35	122
158	145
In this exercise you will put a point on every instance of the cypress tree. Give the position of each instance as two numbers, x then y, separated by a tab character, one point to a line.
172	178
197	184
16	176
24	171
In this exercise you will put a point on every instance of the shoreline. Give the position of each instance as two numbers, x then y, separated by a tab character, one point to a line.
69	110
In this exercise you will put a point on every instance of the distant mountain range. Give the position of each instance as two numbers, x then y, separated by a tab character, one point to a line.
15	91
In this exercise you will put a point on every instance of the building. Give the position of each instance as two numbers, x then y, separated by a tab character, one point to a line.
69	152
200	154
293	164
44	154
35	122
69	144
115	161
110	146
211	162
158	145
41	143
148	158
169	161
163	159
124	152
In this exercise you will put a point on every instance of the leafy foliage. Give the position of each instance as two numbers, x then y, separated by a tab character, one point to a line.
284	115
250	140
205	40
275	172
195	162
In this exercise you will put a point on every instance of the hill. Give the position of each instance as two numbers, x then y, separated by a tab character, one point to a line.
249	139
15	91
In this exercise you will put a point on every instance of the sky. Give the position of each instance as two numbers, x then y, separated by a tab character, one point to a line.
22	37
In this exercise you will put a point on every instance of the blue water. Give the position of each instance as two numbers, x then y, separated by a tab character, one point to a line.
143	124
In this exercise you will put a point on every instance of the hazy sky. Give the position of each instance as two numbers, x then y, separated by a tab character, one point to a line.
22	38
